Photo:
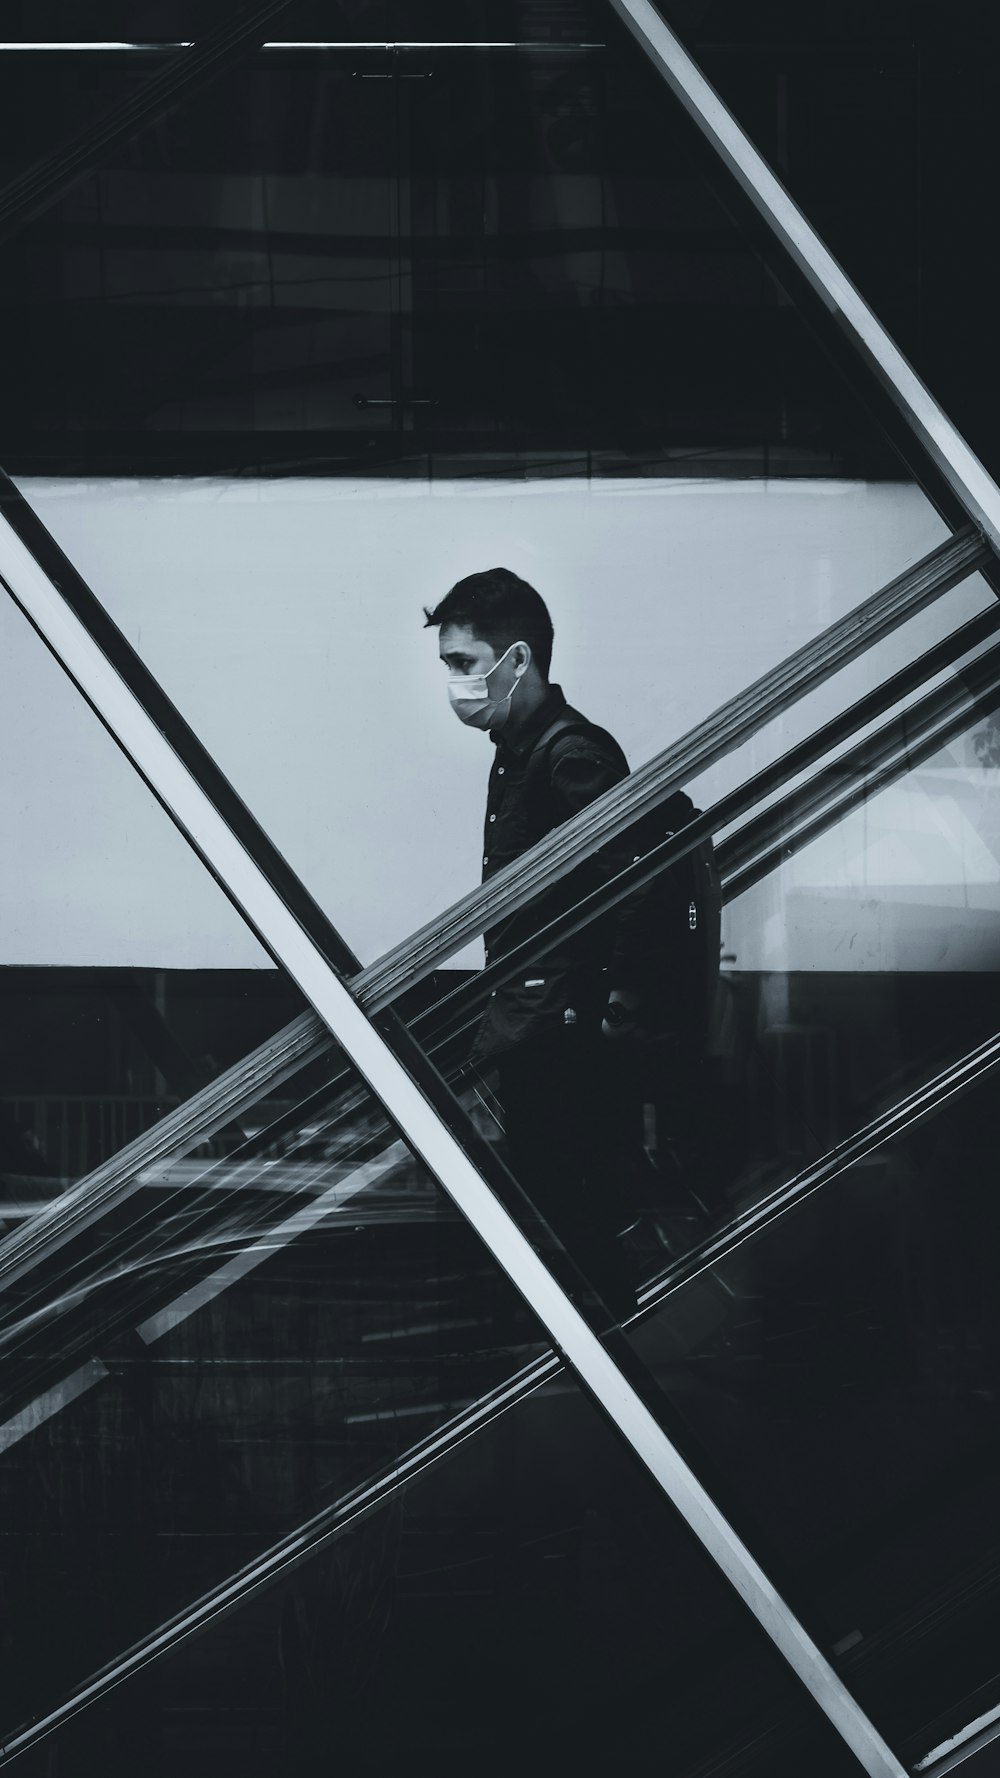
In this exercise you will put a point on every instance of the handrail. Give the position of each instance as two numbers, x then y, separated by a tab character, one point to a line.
906	1115
899	756
318	1532
201	1116
905	742
292	1550
306	1037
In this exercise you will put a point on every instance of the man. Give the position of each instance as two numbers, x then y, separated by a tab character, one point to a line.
547	1031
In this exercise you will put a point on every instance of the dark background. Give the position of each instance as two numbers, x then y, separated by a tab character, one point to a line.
536	274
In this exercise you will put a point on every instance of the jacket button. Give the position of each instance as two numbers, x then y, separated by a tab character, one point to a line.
499	771
492	817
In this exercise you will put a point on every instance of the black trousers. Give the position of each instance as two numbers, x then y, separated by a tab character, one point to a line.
570	1124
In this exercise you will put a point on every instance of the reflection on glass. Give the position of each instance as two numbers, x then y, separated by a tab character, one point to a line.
530	1603
367	258
241	1344
826	595
277	265
840	1374
868	959
127	980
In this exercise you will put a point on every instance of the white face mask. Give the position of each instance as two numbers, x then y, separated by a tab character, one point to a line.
470	699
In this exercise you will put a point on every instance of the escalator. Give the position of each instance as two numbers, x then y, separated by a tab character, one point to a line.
218	1366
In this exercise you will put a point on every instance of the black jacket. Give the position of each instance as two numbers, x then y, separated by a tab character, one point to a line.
536	783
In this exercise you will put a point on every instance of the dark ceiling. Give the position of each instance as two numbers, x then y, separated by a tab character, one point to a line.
462	260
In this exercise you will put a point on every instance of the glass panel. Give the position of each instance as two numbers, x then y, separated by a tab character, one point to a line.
837	1377
868	960
127	980
259	1336
529	1603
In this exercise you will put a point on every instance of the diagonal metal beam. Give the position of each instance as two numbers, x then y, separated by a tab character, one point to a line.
219	1104
894	751
970	484
414	1098
187	71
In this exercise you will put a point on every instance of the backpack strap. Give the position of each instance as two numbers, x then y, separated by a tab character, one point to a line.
568	722
536	774
563	724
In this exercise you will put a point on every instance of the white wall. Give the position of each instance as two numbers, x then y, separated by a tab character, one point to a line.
284	618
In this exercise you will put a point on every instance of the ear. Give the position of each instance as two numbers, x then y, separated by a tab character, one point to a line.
523	657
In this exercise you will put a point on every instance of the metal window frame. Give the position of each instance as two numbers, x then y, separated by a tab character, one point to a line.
545	46
307	962
297	950
963	1748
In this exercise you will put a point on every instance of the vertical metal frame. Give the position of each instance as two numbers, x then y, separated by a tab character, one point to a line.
974	489
302	955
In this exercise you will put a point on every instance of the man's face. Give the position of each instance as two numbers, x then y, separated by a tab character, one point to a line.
463	653
466	656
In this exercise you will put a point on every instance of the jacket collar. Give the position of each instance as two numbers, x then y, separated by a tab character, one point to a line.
551	706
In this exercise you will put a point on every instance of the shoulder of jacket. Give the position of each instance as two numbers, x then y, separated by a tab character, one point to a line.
576	736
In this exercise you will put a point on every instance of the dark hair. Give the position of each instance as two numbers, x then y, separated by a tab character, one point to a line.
499	608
